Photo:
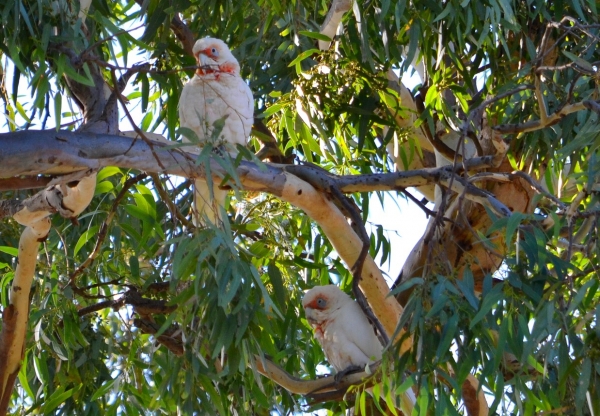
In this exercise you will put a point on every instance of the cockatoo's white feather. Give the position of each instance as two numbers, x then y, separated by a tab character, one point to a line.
216	92
345	334
341	327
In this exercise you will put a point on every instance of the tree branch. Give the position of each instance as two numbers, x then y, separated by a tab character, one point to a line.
295	385
551	120
12	338
30	182
15	316
51	200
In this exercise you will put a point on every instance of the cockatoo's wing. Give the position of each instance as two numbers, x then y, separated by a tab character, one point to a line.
341	347
341	327
360	333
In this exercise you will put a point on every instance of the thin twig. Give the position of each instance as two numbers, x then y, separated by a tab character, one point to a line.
427	211
175	213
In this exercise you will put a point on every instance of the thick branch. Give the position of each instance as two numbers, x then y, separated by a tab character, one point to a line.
30	182
50	152
51	199
332	20
296	385
14	330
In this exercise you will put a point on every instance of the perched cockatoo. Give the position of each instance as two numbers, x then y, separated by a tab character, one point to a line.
341	327
216	92
345	334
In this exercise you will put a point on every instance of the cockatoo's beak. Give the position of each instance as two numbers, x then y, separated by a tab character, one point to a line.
309	313
203	60
205	64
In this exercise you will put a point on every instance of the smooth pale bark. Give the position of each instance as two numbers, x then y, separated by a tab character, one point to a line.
19	302
72	201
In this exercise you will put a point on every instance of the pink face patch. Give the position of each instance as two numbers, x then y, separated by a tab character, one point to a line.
319	330
227	67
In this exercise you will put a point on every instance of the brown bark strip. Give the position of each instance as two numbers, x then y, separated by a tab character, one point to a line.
13	184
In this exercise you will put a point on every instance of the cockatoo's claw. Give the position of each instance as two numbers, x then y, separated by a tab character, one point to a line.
349	370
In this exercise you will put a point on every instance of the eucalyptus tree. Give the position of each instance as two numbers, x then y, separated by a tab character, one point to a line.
114	302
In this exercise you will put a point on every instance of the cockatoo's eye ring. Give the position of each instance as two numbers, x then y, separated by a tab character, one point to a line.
214	51
321	302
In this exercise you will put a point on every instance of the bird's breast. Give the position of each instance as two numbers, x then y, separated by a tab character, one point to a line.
206	100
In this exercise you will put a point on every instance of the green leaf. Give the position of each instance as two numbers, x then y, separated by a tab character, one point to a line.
512	224
467	287
579	61
57	109
444	13
437	306
581	292
145	91
107	172
407	285
278	288
85	237
56	399
103	389
12	251
104	187
77	77
583	382
303	56
23	378
139	213
314	35
272	109
488	302
450	330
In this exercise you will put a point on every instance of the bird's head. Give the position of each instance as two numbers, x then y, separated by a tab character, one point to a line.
213	56
321	302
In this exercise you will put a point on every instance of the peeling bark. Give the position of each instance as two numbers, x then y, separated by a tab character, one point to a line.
71	200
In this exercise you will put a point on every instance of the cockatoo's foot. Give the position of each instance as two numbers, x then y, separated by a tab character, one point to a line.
348	370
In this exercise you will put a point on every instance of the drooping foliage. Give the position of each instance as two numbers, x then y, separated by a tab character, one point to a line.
527	328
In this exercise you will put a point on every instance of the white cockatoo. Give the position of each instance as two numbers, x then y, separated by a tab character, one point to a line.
341	327
216	92
345	334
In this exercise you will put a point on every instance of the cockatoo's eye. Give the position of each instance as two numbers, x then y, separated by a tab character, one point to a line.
214	52
321	303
